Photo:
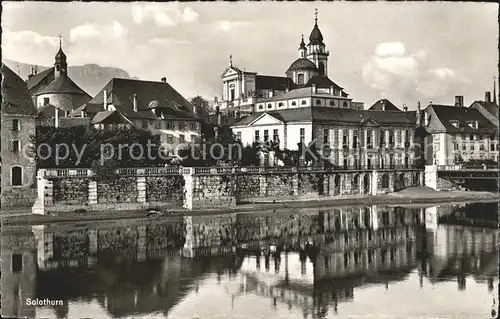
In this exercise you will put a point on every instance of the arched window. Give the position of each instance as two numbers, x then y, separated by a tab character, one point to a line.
345	104
16	176
321	68
269	106
294	103
58	67
304	102
332	103
385	181
261	106
318	102
280	104
300	79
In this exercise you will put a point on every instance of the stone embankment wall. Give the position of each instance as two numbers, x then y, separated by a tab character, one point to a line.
205	188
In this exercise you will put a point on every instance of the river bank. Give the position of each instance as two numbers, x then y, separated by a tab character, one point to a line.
413	196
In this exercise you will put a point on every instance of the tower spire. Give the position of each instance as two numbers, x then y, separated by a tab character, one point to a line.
495	89
315	16
231	60
60	42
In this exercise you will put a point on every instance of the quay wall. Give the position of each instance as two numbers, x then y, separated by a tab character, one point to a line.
209	187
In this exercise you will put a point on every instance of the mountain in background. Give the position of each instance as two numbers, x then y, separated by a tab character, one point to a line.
90	77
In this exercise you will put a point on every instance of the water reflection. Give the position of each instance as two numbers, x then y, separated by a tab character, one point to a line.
306	263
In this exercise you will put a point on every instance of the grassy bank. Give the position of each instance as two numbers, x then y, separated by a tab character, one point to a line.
414	196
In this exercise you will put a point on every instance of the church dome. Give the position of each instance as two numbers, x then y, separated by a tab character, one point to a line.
302	64
316	37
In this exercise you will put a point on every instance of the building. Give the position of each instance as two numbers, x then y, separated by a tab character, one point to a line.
488	108
306	83
17	128
155	106
385	105
456	133
53	89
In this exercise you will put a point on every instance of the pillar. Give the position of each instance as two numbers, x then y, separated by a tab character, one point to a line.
374	182
141	186
44	195
374	217
431	177
189	185
92	192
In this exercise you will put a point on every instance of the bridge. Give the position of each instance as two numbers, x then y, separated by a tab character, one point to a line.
460	176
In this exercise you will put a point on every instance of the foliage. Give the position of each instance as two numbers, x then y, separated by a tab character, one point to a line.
480	163
202	105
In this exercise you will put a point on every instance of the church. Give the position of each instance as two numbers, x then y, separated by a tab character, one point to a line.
308	107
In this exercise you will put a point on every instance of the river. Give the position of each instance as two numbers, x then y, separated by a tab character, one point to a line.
352	262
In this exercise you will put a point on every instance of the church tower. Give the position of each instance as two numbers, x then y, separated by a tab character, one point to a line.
316	49
302	48
60	65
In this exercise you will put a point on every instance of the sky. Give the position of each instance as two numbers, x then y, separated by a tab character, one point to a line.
405	52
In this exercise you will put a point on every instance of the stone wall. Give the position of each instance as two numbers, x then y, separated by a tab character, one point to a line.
120	190
165	188
70	191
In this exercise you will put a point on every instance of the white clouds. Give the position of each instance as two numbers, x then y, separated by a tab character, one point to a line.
168	41
88	31
226	26
28	46
395	73
163	15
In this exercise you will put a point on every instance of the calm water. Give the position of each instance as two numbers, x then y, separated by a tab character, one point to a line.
368	262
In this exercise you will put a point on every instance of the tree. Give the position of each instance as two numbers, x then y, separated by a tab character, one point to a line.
203	106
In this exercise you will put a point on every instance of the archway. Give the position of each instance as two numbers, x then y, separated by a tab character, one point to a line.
337	184
400	182
416	179
385	180
355	184
366	184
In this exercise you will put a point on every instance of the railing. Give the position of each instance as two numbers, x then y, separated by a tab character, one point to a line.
162	171
462	167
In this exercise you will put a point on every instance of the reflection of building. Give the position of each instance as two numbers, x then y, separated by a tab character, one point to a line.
17	126
18	280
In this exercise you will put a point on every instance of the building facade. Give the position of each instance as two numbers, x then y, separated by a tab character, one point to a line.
155	106
17	128
456	134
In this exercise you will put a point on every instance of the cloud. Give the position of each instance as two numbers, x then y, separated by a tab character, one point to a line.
88	31
168	41
28	46
163	15
396	73
226	26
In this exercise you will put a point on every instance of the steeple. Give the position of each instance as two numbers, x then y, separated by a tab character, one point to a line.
60	65
302	48
316	37
231	60
316	49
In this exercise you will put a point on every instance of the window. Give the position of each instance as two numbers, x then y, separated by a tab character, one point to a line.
269	106
481	147
16	146
157	125
492	147
280	104
294	103
275	135
369	139
471	137
382	138
16	125
332	103
326	136
46	100
238	136
303	102
170	139
261	106
300	79
455	146
407	138
318	102
346	162
192	126
345	105
17	262
464	147
355	139
345	140
472	147
144	124
181	138
170	126
302	134
257	135
266	135
16	175
391	137
182	126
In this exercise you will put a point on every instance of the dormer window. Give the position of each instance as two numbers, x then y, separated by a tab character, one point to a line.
473	124
455	124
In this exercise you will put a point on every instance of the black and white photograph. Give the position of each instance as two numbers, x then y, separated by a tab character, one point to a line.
249	160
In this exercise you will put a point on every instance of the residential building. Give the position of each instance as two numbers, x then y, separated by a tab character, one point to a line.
456	134
17	128
487	108
155	106
53	89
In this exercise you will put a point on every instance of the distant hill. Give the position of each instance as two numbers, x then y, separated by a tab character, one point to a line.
90	77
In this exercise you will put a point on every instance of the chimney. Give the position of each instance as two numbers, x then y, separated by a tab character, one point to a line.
219	115
487	97
135	102
405	108
418	113
313	89
105	100
459	101
215	99
164	79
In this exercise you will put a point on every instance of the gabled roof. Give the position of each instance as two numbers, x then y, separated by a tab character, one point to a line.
90	108
336	115
63	84
275	116
488	106
15	95
120	93
109	116
231	68
36	79
446	114
322	81
48	110
379	106
269	82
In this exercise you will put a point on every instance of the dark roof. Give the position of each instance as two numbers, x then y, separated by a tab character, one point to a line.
489	106
322	81
60	56
109	116
36	79
389	106
71	122
121	95
15	95
302	44
337	115
315	37
447	114
48	110
273	82
302	64
90	108
63	84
